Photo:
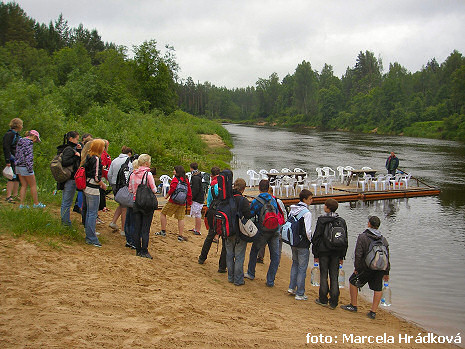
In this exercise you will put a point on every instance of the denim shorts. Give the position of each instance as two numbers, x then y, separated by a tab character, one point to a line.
22	171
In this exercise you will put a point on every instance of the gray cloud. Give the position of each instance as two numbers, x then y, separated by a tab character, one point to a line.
233	43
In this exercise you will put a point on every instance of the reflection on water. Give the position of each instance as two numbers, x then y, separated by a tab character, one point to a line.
426	234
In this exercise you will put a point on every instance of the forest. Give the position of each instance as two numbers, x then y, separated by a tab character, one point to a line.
58	79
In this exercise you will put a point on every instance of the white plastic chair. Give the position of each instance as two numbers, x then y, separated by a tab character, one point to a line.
300	178
288	184
328	184
387	181
319	171
253	177
342	174
405	179
365	181
165	180
328	172
284	170
380	181
317	185
273	170
395	180
263	173
276	186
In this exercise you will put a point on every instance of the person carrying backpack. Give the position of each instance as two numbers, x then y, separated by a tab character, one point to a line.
10	140
197	197
70	152
113	171
329	249
367	241
179	194
265	208
301	252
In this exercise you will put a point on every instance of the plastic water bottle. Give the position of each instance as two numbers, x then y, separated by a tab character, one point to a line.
341	280
315	275
386	297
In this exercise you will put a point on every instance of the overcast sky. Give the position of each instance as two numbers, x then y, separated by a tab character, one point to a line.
233	43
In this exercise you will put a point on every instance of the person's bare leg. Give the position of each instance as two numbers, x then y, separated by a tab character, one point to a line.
181	226
163	221
123	217
353	295
15	188
376	299
198	223
116	215
31	181
22	192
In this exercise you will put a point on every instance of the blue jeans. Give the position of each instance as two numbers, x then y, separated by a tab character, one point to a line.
273	245
300	257
235	255
67	201
129	227
92	202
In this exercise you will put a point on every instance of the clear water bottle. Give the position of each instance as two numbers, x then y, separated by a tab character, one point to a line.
341	280
386	297
315	275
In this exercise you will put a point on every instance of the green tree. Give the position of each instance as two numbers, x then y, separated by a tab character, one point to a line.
305	89
15	25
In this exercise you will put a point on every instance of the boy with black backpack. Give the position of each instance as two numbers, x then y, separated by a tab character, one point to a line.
371	265
265	208
329	249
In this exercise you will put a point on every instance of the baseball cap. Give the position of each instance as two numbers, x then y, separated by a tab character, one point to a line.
35	133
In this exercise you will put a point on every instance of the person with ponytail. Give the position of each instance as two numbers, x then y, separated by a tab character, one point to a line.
71	156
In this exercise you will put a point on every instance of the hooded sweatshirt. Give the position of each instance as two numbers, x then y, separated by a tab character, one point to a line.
115	167
319	246
362	247
136	178
305	223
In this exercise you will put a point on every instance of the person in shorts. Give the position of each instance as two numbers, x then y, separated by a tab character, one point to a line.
175	209
362	274
10	140
198	197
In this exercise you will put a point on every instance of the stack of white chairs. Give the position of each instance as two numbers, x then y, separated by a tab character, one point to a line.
387	181
263	173
366	180
328	172
349	170
254	177
342	174
285	169
288	183
317	185
319	171
165	180
379	182
275	182
395	181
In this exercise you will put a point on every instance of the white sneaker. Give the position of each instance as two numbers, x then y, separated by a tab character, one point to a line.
247	276
291	291
122	233
301	298
113	226
97	233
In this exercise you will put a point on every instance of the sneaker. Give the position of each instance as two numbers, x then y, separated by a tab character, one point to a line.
77	209
97	233
201	261
113	226
146	255
349	307
371	315
195	232
130	246
122	233
182	238
301	298
97	244
39	205
260	260
332	306
269	285
160	233
99	221
247	276
215	240
317	301
23	206
222	271
291	291
237	284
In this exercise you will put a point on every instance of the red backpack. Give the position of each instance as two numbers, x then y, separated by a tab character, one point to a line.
80	178
268	217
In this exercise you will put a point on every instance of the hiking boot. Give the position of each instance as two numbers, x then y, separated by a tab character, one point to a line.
160	233
317	301
201	261
301	298
181	238
113	226
247	276
349	307
291	291
371	315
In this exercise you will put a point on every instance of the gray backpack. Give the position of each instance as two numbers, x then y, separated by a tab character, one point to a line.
378	256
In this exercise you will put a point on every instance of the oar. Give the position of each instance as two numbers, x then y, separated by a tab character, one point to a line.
418	180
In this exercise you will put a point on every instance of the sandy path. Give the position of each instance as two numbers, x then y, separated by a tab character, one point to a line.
82	296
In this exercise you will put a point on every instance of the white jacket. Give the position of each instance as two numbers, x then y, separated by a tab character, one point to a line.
115	167
295	210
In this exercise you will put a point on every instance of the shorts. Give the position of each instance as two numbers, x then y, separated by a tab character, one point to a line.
373	277
178	211
196	209
22	171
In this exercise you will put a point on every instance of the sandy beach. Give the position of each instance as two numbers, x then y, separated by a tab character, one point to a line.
80	296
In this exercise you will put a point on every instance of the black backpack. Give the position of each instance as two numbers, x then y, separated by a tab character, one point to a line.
205	182
122	176
225	219
146	201
335	234
225	185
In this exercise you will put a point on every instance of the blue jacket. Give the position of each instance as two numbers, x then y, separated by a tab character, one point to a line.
256	206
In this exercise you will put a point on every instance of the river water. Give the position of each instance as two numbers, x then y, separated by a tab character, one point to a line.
426	234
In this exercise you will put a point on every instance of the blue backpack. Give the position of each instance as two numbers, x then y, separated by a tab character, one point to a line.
180	193
291	232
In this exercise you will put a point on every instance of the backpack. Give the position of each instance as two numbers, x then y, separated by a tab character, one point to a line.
180	193
146	201
378	256
268	217
247	228
205	182
60	173
225	185
225	218
122	176
291	233
335	235
80	178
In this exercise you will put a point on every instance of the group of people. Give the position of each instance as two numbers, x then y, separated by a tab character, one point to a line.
329	258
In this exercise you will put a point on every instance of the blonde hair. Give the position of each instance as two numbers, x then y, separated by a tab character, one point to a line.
85	151
106	144
135	164
144	159
16	124
97	146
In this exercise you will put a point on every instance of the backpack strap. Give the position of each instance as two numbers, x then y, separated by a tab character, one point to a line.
301	213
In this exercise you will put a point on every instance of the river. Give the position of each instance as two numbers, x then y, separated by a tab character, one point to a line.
426	234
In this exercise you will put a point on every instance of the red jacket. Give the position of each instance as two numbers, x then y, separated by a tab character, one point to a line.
174	184
106	162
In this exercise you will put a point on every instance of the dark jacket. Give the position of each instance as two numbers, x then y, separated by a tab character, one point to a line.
243	208
69	157
10	139
90	167
361	250
392	163
198	194
319	246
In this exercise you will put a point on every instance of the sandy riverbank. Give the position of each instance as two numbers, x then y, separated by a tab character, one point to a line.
80	296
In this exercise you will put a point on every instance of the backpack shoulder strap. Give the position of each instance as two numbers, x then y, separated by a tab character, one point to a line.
301	213
260	200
